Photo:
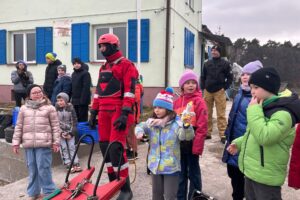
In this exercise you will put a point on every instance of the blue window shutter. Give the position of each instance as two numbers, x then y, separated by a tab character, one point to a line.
132	40
2	47
185	47
189	45
85	42
81	41
44	43
145	31
192	46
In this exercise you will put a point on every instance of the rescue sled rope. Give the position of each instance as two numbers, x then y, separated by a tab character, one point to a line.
135	169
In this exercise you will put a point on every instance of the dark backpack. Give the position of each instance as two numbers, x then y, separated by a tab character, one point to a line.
5	121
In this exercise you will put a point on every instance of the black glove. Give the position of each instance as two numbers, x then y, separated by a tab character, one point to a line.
92	119
121	122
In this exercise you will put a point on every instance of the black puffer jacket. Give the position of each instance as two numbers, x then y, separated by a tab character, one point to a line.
50	77
81	82
217	74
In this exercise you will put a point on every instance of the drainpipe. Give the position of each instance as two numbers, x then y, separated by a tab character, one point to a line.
167	43
138	17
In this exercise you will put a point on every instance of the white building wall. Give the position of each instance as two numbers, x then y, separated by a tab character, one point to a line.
27	15
182	16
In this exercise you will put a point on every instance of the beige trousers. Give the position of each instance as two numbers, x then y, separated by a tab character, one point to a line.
219	98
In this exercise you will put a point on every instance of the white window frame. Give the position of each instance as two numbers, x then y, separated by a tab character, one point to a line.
24	33
110	27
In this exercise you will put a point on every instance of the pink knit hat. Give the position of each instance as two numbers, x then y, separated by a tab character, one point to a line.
188	75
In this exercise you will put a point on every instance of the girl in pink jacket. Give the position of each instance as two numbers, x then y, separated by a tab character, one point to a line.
37	130
191	150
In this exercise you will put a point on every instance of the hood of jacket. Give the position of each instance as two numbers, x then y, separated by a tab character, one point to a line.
36	104
24	63
289	102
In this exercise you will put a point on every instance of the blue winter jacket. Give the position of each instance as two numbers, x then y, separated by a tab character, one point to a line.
62	84
164	154
237	123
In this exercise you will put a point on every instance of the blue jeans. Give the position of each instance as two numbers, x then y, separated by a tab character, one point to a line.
190	170
39	162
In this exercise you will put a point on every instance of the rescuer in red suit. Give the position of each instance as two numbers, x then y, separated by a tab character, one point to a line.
113	102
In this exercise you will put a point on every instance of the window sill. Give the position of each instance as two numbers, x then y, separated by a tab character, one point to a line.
28	64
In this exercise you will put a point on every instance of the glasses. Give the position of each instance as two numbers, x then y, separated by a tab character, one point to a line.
35	93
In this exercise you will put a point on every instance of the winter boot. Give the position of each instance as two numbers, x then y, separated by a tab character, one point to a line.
126	193
111	176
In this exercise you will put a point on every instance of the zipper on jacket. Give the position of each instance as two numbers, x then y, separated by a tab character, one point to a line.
159	142
34	142
245	152
262	160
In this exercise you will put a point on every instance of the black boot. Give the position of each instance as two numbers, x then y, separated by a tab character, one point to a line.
112	176
126	193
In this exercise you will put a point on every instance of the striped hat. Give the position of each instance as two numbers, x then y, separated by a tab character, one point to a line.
164	99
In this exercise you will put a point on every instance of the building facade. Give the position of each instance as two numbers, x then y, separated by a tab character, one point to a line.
170	40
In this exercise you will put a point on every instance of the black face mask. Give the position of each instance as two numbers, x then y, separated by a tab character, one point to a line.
110	49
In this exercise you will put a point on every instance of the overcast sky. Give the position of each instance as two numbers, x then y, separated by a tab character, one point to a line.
278	20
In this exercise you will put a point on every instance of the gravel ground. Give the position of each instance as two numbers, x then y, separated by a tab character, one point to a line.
214	177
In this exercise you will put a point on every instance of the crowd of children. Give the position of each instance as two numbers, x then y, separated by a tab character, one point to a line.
259	134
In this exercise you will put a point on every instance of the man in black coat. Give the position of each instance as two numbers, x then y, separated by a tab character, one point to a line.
50	73
216	77
81	93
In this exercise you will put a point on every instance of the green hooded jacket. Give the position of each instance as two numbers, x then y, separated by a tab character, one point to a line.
264	149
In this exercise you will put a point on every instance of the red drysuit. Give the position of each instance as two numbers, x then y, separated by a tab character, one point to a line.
114	95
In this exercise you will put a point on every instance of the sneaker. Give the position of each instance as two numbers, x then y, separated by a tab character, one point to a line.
77	168
72	169
38	197
208	137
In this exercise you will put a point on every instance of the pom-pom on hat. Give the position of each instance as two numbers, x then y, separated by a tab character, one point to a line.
188	75
164	99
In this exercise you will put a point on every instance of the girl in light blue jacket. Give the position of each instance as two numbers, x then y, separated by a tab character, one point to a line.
165	131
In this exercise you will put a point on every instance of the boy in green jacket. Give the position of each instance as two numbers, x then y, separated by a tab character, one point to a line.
264	149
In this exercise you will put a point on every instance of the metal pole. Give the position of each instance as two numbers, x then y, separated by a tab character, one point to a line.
167	43
138	17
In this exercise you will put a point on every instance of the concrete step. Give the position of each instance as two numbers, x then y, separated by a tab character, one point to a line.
13	167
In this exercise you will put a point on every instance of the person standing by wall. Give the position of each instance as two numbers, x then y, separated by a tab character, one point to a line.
50	73
215	79
81	93
21	78
63	83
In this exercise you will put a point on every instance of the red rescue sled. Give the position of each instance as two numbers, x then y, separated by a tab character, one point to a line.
81	187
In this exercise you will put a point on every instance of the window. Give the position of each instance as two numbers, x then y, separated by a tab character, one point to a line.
24	46
119	30
189	40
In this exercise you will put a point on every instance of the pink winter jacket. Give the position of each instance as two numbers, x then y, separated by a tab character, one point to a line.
37	125
200	121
